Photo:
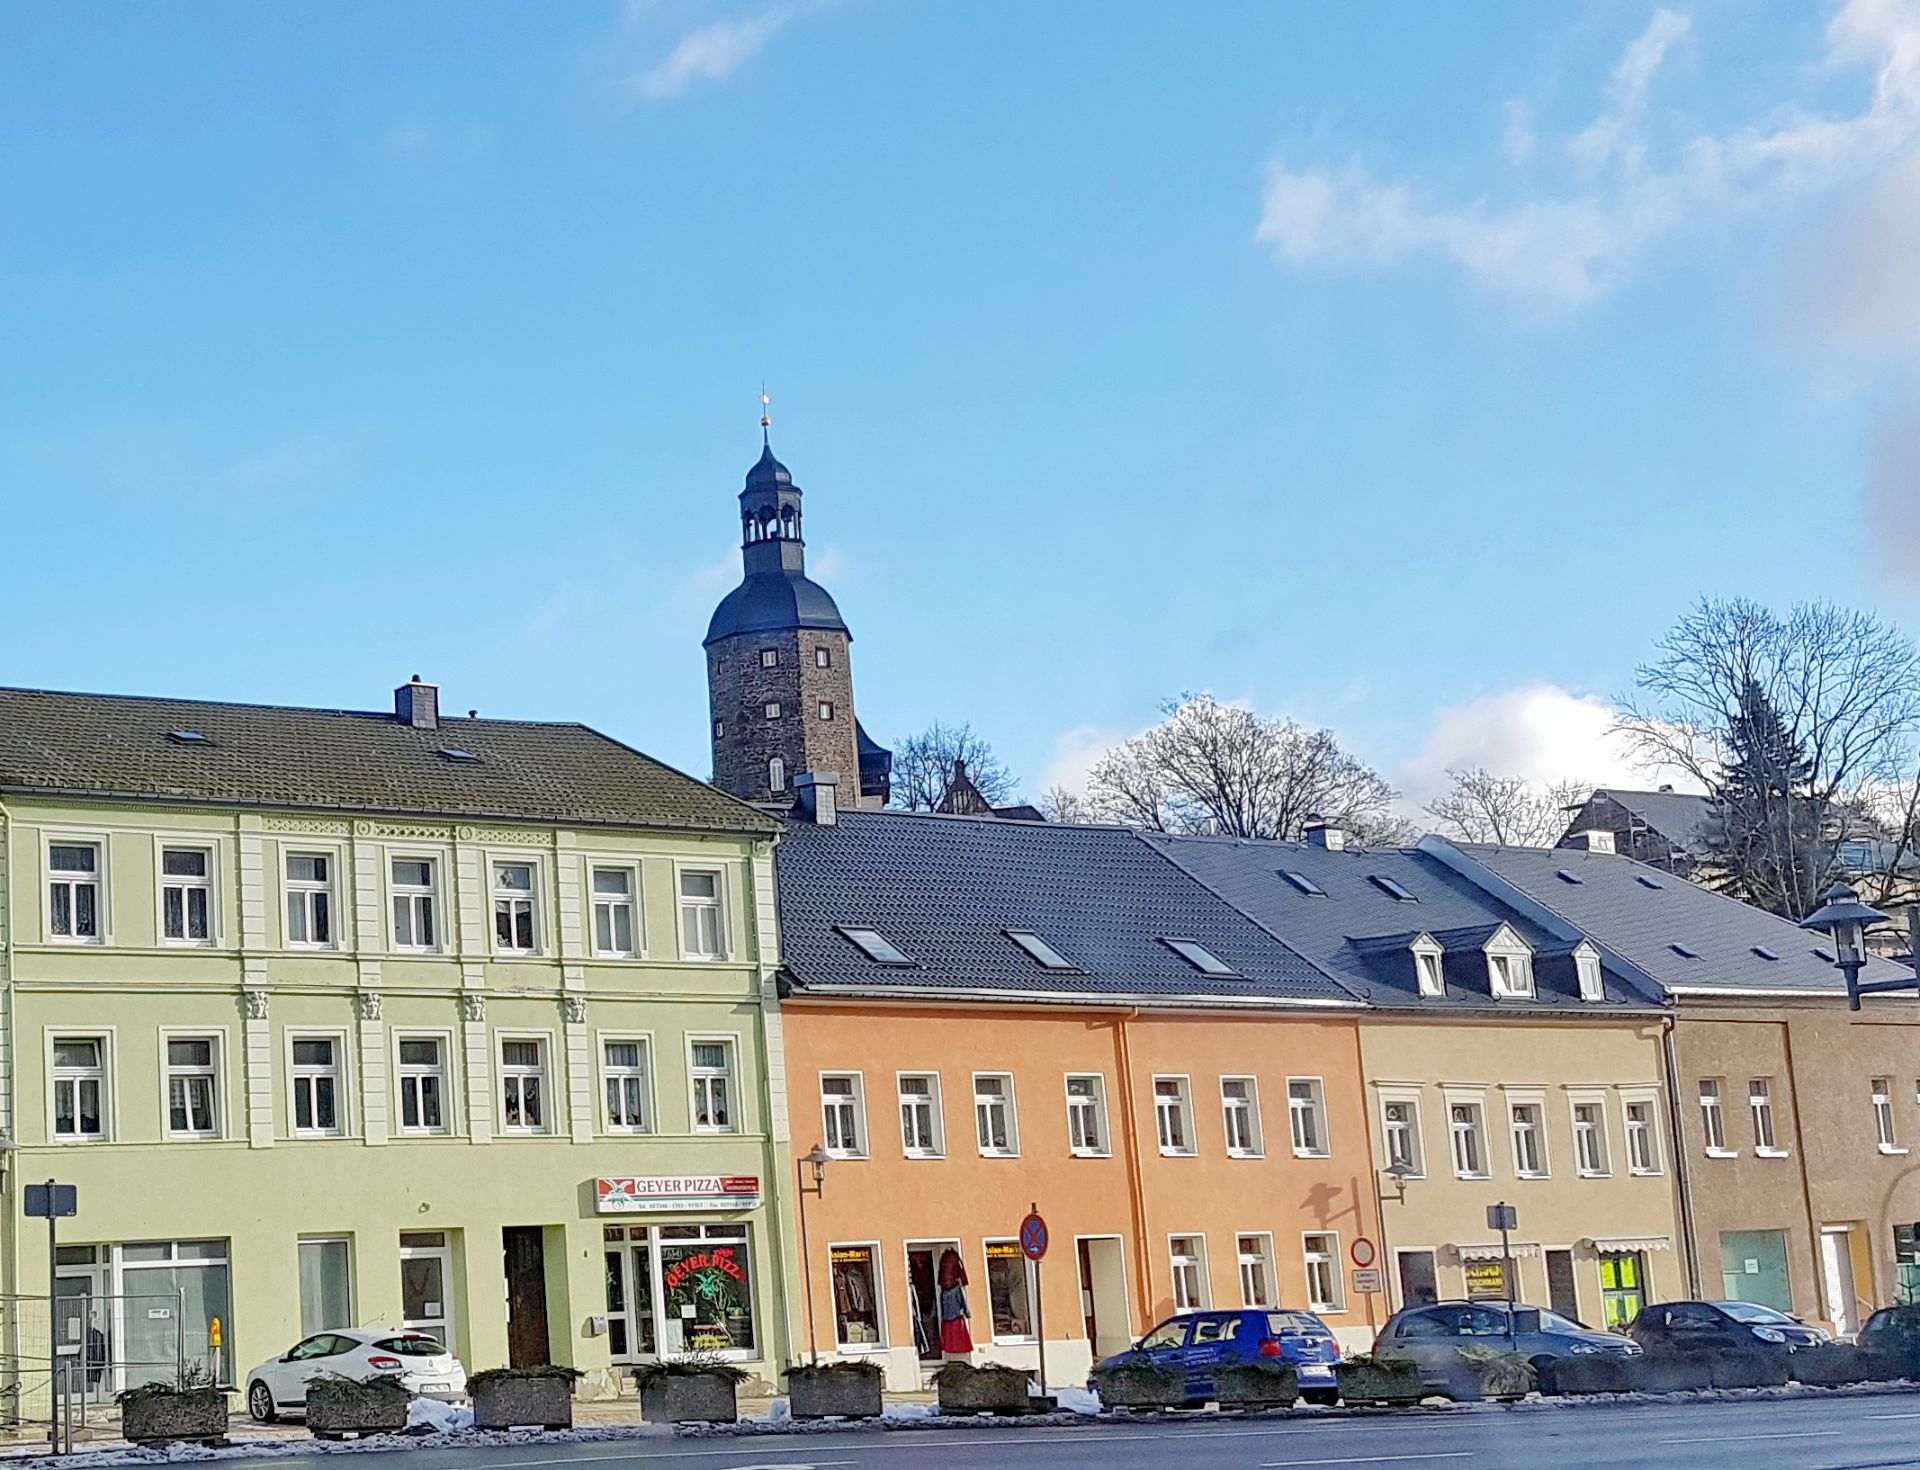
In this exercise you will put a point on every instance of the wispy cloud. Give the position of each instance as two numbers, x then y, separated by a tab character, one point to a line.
717	50
1618	187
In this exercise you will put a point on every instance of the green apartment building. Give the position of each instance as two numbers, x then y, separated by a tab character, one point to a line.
348	1018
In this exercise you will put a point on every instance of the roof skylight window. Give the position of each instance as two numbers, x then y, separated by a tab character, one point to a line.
1392	887
1764	952
1647	880
1684	952
1199	956
1565	877
875	945
1305	884
187	737
1045	954
454	753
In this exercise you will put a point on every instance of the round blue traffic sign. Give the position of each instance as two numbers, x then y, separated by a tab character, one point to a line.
1033	1237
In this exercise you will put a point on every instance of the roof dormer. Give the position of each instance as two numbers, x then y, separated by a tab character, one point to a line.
1429	965
1509	965
1586	970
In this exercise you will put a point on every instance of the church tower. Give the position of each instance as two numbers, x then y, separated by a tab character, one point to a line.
779	675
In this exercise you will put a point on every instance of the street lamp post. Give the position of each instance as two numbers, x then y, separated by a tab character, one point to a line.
1845	920
816	1160
1399	1171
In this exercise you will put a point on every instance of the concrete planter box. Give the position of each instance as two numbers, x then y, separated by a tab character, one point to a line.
1833	1365
693	1398
331	1416
1750	1370
1471	1383
1669	1373
1140	1386
834	1393
514	1403
983	1390
1379	1383
199	1414
1254	1389
1600	1373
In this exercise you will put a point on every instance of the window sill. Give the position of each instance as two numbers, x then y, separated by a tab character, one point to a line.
1179	1153
1532	1178
1596	1174
1778	1153
839	1156
1246	1153
1723	1153
926	1158
1888	1148
1472	1177
986	1154
1645	1173
1091	1153
1305	1153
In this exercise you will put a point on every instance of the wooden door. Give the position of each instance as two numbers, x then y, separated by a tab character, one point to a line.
526	1268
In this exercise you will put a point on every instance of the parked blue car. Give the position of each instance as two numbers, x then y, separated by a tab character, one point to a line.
1198	1343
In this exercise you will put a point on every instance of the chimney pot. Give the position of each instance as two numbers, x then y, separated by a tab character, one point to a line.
818	796
418	704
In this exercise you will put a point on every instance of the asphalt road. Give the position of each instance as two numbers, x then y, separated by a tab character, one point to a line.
1867	1432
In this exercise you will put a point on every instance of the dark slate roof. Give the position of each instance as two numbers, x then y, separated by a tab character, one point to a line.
1361	933
767	472
115	745
1678	816
945	888
1613	903
770	601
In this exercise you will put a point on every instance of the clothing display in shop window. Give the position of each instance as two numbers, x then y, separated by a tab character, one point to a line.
955	1337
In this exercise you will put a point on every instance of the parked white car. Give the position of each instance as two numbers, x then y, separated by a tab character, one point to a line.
421	1363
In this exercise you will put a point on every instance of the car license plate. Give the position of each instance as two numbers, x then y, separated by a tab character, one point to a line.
435	1387
1316	1370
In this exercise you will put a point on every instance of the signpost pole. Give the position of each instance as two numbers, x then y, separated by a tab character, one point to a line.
53	1315
1033	1245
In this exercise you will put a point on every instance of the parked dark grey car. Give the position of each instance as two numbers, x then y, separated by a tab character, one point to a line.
1688	1327
1433	1336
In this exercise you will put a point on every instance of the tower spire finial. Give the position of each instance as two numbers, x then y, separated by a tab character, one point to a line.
766	423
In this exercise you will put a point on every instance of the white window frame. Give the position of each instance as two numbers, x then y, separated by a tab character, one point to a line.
1712	1101
205	883
302	890
719	905
549	1096
1416	1160
1254	1145
1094	1101
1648	1131
1429	966
98	842
596	901
103	1075
610	1073
776	773
1262	1260
826	709
1537	1128
936	1121
1173	1117
729	1073
1006	1100
403	1071
1518	982
498	894
1764	1118
1886	1121
1185	1296
769	658
214	1073
1314	1109
1597	1132
822	657
340	1072
1327	1256
1475	1130
411	895
772	709
1587	971
851	1110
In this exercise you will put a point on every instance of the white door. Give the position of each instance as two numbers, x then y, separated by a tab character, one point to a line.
426	1278
1836	1263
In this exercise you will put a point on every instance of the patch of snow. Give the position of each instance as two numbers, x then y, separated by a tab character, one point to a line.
909	1411
1077	1400
441	1418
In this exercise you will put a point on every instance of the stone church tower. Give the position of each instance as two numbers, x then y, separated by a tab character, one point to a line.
779	675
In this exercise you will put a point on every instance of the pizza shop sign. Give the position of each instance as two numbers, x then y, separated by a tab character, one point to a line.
660	1193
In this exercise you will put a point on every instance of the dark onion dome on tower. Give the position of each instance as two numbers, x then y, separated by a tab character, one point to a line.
776	592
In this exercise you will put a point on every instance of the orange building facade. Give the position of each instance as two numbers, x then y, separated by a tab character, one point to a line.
1182	1158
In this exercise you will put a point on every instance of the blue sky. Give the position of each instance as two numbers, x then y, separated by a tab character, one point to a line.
1401	367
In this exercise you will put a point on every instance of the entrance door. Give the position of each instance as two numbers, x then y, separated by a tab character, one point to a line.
1562	1295
426	1284
1836	1265
526	1269
923	1290
1103	1294
1418	1287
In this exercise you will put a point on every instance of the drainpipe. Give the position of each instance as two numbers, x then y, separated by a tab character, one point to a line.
9	1109
1682	1185
1136	1193
1806	1187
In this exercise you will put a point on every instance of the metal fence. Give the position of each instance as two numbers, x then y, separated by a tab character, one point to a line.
63	1358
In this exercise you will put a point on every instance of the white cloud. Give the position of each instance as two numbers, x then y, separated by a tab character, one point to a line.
714	51
1541	732
1621	186
1077	751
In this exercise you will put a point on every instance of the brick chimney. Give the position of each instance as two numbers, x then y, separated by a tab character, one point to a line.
1329	835
418	704
819	798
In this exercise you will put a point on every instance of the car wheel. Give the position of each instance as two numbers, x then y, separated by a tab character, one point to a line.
260	1403
1325	1398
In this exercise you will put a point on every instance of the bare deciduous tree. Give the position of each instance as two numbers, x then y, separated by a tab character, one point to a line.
923	767
1211	767
1791	722
1059	804
1479	806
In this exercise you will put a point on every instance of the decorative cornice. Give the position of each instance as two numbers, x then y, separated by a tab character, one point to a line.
512	836
312	826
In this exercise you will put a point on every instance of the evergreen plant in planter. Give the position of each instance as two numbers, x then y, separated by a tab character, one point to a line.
1139	1383
1365	1379
1895	1343
1262	1384
988	1389
337	1407
517	1398
1834	1364
845	1390
1592	1373
1477	1374
699	1388
189	1409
